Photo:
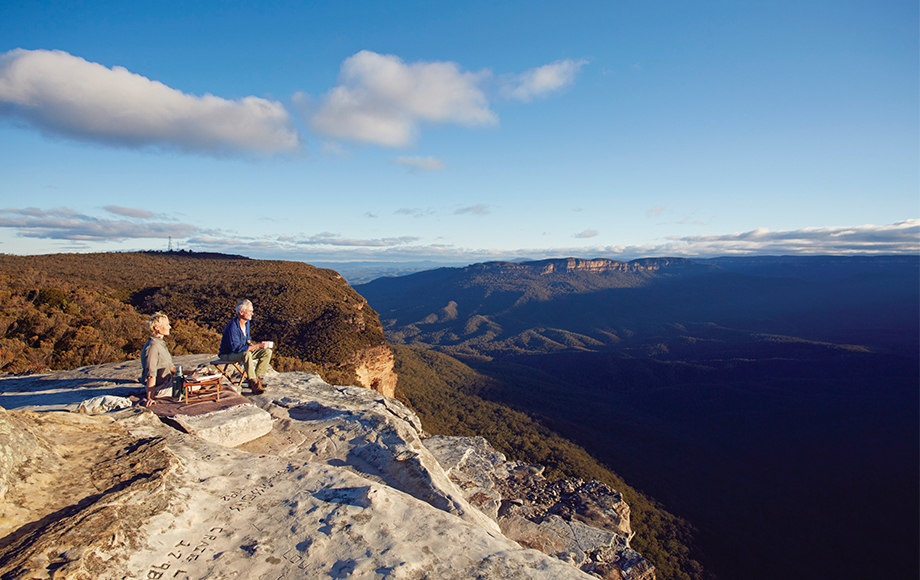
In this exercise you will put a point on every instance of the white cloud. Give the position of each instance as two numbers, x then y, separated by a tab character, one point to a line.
655	211
541	81
587	234
901	237
427	163
36	212
381	99
414	212
289	243
318	246
66	224
478	209
330	239
65	95
129	212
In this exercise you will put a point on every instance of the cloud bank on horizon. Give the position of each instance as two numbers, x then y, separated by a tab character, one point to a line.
67	224
380	100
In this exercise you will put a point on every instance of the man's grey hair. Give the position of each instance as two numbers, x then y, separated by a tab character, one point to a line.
156	322
243	304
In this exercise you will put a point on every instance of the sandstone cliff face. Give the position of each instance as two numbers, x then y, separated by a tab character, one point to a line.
596	266
374	368
497	309
345	485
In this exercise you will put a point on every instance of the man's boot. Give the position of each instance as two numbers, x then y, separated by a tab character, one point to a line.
255	385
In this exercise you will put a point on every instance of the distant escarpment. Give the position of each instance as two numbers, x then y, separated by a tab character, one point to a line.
751	396
597	266
67	310
509	307
502	308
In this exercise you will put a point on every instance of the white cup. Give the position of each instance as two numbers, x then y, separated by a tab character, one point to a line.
269	344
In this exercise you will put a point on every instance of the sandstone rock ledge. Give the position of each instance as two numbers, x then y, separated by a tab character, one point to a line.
342	487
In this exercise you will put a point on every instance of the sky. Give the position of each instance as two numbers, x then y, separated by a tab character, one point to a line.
461	132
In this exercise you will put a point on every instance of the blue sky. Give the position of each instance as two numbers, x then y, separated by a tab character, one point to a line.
460	132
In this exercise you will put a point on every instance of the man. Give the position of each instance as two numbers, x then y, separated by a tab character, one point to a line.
236	346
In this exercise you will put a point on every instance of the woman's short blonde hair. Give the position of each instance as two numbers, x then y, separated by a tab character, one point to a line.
154	323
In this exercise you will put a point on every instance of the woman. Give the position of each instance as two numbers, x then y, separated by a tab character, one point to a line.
156	362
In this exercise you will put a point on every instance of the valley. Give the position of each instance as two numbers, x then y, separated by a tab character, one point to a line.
777	414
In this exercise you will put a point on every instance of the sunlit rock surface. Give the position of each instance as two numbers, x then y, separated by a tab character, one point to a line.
374	368
342	487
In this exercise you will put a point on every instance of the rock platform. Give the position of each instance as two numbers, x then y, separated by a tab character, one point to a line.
342	486
232	421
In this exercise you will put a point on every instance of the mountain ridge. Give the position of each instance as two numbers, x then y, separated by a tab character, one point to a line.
472	309
596	265
782	385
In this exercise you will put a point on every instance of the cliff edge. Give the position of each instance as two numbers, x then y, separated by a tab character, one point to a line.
346	484
70	310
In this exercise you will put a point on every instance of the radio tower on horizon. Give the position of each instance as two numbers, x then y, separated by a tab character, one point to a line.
170	244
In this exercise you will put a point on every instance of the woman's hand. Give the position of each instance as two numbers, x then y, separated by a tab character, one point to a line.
151	389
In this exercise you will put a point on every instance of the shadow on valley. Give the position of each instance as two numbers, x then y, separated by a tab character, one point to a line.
771	402
808	462
444	393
